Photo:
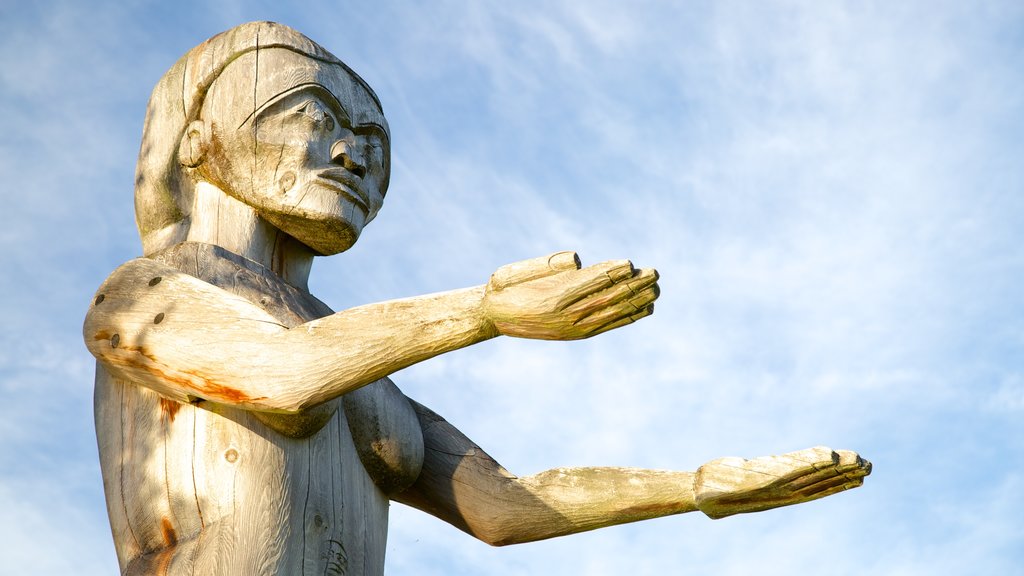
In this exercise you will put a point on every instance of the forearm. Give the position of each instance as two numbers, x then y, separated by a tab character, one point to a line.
569	500
190	340
460	484
357	346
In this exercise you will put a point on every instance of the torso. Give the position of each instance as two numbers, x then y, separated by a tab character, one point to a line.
210	489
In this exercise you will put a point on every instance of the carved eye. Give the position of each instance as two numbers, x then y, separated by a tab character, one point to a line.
315	112
375	150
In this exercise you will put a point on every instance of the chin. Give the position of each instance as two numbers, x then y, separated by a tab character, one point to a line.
324	234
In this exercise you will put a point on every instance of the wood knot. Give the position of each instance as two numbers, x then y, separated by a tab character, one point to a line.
231	455
100	298
115	340
159	318
155	281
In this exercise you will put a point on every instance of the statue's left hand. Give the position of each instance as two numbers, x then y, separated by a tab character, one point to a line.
552	298
728	486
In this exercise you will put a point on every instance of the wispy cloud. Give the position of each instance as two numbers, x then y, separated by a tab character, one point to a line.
830	191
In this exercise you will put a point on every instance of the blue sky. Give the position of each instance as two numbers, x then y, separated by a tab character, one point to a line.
832	192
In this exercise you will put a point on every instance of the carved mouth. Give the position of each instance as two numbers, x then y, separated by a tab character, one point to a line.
344	183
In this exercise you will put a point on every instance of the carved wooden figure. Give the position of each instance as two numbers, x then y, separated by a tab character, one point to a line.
245	428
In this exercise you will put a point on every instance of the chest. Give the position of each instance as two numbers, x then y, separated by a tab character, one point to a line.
212	489
191	484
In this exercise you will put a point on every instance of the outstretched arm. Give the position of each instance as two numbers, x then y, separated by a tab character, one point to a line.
460	484
190	340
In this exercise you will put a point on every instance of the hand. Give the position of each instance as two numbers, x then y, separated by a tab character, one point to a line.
552	298
728	486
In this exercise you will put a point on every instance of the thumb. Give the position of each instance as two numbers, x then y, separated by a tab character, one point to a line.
526	270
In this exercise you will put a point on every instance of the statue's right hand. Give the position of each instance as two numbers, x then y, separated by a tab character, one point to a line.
552	298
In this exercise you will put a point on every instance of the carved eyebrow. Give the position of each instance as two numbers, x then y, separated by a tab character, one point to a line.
331	100
372	129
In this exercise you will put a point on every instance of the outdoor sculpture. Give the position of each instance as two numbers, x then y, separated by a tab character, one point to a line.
245	428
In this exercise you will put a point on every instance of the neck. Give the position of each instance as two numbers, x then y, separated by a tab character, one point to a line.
223	221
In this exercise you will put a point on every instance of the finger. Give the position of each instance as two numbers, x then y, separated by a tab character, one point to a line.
819	456
795	470
617	310
645	297
642	280
719	477
623	321
619	270
834	490
526	270
565	260
851	462
865	469
851	468
817	477
775	470
611	318
586	281
828	486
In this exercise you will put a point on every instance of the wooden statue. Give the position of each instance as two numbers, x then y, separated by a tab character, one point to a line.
245	428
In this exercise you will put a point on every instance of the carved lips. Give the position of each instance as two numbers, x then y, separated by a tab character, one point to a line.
347	184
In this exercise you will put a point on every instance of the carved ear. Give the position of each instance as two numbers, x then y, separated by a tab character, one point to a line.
194	143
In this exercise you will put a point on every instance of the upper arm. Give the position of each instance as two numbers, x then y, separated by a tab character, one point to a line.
187	339
386	433
178	335
459	482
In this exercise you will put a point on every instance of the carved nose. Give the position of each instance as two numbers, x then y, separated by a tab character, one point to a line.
344	153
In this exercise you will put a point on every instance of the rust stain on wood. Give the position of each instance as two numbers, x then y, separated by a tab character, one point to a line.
220	392
190	380
163	561
170	407
170	536
197	382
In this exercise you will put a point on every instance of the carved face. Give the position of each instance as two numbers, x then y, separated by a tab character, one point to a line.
311	154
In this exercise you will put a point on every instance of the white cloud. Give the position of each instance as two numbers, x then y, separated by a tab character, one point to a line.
829	190
45	531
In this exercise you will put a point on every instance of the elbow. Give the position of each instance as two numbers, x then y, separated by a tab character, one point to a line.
497	536
269	402
505	528
508	534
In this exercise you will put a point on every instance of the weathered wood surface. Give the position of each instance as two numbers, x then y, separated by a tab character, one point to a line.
728	486
188	339
463	485
204	488
245	428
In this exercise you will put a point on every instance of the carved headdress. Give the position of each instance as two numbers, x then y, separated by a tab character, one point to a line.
163	189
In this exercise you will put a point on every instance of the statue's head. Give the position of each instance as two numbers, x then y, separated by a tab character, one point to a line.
274	120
